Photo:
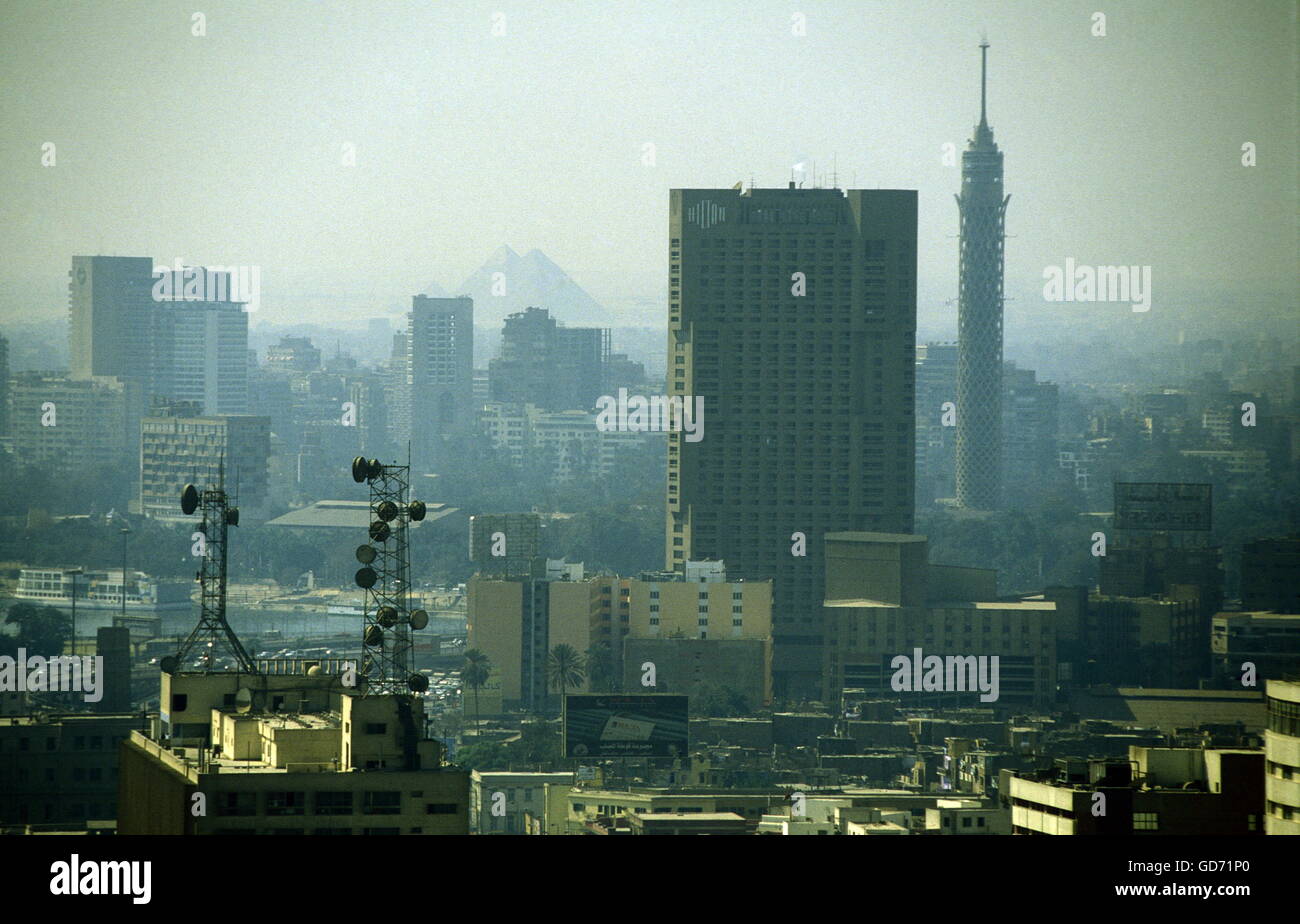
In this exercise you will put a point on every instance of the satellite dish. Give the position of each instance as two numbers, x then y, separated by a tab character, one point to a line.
232	516
189	499
360	469
365	554
374	636
419	619
416	509
313	671
418	683
387	511
386	617
379	531
244	700
366	578
169	664
375	468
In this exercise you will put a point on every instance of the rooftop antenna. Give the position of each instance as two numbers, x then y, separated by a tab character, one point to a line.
835	173
212	630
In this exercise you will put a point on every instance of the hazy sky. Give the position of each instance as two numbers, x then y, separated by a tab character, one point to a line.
226	148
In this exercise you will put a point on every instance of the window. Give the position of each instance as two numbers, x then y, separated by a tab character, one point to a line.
965	822
285	803
445	808
237	803
382	802
1146	821
333	803
376	728
179	702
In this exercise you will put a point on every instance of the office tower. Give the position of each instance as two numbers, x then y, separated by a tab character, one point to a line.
110	318
180	447
441	376
792	313
543	363
1029	424
982	207
201	355
936	420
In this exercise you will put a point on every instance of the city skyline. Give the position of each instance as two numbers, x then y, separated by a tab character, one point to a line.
525	162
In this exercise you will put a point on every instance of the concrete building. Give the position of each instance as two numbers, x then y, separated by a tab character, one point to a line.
505	544
293	354
1029	425
698	628
441	376
593	810
110	302
1156	791
62	768
184	448
936	427
792	313
1282	758
500	802
966	816
885	600
1269	641
290	753
74	424
548	365
568	442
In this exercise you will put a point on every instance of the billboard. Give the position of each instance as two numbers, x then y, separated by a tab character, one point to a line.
618	725
1162	506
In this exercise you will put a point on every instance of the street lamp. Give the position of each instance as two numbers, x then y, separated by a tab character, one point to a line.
74	573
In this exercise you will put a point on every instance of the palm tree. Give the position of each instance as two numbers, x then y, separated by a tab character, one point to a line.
474	674
565	668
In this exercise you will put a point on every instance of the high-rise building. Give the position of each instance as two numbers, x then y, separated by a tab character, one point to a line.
792	314
293	354
982	207
546	364
201	355
441	376
936	420
185	448
1029	425
110	317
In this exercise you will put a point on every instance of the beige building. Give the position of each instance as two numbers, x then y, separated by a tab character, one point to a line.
73	424
1282	758
694	626
177	450
502	802
886	601
291	753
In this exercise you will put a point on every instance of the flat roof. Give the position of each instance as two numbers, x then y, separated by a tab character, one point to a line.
346	514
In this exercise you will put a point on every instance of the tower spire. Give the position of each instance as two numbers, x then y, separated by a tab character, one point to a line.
984	77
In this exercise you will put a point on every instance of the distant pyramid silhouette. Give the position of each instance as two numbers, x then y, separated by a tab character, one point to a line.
531	280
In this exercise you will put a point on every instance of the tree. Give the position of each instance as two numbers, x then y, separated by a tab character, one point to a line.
600	669
474	674
565	668
41	629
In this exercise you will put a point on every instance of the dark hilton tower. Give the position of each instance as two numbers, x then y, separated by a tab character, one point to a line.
982	207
